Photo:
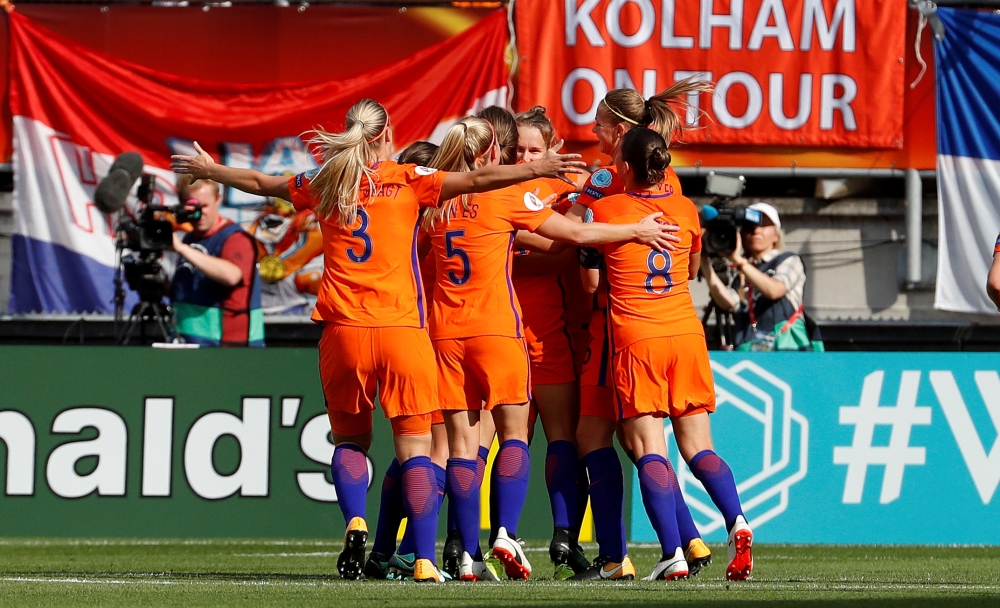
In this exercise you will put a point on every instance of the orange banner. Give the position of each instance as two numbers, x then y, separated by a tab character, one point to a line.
805	73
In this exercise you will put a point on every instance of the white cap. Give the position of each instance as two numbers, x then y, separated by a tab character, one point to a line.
769	211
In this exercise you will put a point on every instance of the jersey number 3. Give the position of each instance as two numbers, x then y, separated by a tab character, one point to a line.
658	280
366	240
452	251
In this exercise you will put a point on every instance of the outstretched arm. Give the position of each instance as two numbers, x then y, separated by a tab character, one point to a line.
494	177
247	180
660	237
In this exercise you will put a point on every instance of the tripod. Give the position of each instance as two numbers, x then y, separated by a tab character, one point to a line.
144	273
723	318
144	311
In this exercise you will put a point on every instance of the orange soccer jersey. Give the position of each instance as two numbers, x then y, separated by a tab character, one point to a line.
596	395
473	294
606	182
648	291
475	316
650	309
372	303
372	276
542	297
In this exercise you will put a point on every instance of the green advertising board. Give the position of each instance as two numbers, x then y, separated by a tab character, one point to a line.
141	442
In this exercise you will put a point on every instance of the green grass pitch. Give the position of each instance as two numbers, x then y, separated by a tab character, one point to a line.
103	572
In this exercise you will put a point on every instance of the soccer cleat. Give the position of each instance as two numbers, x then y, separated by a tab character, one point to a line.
698	555
604	569
351	562
563	572
740	551
495	567
669	568
424	571
472	570
563	551
511	555
377	566
452	553
402	566
559	547
578	559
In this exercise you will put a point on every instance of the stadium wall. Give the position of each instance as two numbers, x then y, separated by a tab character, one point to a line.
826	448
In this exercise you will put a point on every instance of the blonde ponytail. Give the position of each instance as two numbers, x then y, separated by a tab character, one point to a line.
347	160
665	108
661	112
466	147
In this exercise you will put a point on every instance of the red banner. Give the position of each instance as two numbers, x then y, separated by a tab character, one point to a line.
113	106
74	109
788	72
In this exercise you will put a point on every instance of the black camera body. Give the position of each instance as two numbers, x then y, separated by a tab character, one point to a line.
150	231
721	219
147	236
728	220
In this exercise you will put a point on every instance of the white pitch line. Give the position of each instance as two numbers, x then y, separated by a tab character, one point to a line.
85	581
163	543
749	586
314	554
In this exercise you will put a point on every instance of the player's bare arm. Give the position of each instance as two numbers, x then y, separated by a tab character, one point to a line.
648	231
494	177
203	166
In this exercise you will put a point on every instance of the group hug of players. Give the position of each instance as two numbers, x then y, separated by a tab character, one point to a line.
452	289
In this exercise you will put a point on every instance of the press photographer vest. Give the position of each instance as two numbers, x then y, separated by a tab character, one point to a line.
198	301
766	313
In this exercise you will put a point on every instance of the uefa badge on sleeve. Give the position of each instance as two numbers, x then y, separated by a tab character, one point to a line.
601	179
532	202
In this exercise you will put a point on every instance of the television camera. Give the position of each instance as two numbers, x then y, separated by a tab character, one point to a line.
143	234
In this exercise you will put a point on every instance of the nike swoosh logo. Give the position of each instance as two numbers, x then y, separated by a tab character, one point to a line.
606	574
409	564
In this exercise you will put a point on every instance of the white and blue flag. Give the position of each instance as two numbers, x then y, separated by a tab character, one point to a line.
968	162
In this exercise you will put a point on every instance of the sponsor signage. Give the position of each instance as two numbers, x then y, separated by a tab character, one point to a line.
854	448
802	73
826	447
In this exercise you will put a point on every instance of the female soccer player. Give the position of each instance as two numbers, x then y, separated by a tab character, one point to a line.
541	283
619	112
384	556
659	356
478	336
371	304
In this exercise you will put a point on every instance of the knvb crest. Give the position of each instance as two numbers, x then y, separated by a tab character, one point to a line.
773	437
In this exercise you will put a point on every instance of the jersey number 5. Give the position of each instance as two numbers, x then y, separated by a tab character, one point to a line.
658	263
366	241
452	251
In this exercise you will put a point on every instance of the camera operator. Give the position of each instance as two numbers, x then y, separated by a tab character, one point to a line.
767	289
216	288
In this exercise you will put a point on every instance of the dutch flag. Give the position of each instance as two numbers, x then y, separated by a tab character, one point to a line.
968	162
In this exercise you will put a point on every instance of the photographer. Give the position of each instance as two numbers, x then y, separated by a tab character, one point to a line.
766	293
216	289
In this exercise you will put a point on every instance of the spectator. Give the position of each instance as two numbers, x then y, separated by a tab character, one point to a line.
993	279
766	293
216	288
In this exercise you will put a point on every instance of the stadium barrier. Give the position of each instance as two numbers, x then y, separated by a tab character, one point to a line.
856	448
826	447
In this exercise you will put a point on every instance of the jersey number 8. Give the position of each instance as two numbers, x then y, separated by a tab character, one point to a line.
658	263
